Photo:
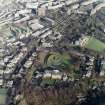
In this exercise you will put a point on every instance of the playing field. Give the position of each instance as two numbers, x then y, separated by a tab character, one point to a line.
3	94
95	45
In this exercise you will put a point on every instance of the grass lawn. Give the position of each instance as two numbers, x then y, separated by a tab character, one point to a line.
48	81
3	94
57	59
95	45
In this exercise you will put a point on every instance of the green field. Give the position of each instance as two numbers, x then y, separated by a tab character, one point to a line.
95	44
3	94
48	81
57	60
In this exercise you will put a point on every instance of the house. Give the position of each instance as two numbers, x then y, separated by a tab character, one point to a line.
17	15
56	71
17	58
18	97
92	59
35	25
14	61
26	18
1	50
39	75
48	33
20	55
22	44
102	73
11	39
24	49
53	74
69	11
1	82
89	63
19	75
47	45
21	70
36	34
97	8
44	5
57	76
47	74
6	59
42	11
85	3
10	65
25	11
81	12
89	74
68	2
50	21
1	72
22	36
9	84
28	64
16	43
30	5
77	43
56	6
2	63
65	77
83	41
75	6
8	71
25	1
34	54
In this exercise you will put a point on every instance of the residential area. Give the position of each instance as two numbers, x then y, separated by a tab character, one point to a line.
52	52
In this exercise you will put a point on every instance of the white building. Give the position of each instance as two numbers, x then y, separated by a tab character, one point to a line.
1	72
68	2
97	8
38	75
23	19
9	84
25	11
102	73
56	6
47	45
2	63
57	76
28	64
32	5
89	74
85	3
1	82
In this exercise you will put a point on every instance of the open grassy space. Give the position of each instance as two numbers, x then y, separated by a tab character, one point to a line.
57	60
3	94
48	81
95	45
